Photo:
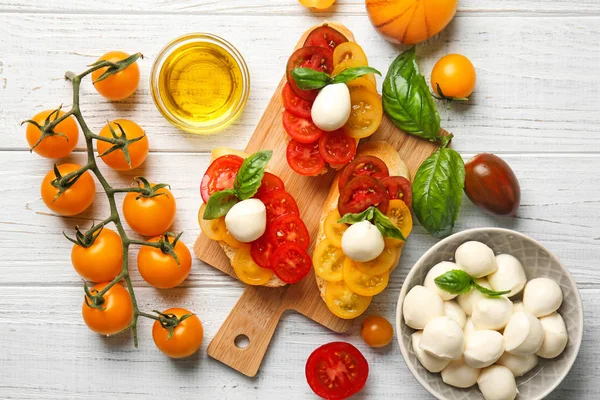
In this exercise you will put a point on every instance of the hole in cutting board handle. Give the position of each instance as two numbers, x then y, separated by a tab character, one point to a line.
241	341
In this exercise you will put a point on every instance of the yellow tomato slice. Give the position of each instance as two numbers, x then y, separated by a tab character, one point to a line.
352	64
343	302
366	114
328	261
227	237
317	4
247	270
383	263
333	229
399	214
349	51
363	83
361	283
210	227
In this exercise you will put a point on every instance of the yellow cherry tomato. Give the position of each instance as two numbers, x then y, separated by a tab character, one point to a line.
150	216
399	213
138	151
247	270
317	4
333	229
366	114
344	65
455	75
212	228
118	86
349	51
328	261
362	83
160	269
377	331
383	263
185	338
361	283
227	236
73	200
58	145
116	312
102	261
343	302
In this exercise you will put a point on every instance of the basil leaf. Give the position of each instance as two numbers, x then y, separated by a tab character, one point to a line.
456	281
220	203
437	191
307	78
349	218
488	292
385	226
352	73
251	174
407	100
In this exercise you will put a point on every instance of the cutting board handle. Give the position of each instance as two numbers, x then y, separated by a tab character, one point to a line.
254	316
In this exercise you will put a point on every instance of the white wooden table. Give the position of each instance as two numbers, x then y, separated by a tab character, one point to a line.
536	105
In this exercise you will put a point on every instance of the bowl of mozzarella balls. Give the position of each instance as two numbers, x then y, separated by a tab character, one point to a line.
489	313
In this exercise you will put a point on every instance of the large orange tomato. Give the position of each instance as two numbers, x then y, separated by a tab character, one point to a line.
184	340
410	21
102	260
73	200
159	268
150	216
118	86
57	145
138	151
116	311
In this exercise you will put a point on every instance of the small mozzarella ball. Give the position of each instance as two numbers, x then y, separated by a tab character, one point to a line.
429	362
453	310
483	348
443	338
332	107
518	307
492	313
469	328
523	334
420	306
460	375
476	258
247	220
467	300
362	242
542	296
518	365
509	276
497	383
437	270
555	336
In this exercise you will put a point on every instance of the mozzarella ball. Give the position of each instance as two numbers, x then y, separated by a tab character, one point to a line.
437	270
492	313
362	242
497	383
518	365
443	338
459	374
476	258
483	348
469	329
467	300
420	306
542	296
332	107
510	275
247	220
429	362
453	310
523	334
555	336
518	306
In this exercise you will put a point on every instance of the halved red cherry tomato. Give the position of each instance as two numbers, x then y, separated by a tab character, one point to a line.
269	182
290	262
220	175
295	104
336	371
314	57
398	187
278	203
337	148
261	250
325	36
304	159
289	228
301	129
364	165
361	193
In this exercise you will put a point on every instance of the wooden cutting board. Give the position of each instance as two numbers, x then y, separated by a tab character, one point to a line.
259	309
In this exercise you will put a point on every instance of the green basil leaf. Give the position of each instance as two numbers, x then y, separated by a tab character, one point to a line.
352	73
437	191
456	281
386	227
366	215
488	292
220	203
308	79
251	174
407	100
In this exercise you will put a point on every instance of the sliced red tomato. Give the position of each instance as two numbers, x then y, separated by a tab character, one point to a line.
290	262
269	182
314	57
398	187
336	371
325	36
289	228
295	104
261	250
364	165
278	203
304	159
301	129
337	148
361	193
220	175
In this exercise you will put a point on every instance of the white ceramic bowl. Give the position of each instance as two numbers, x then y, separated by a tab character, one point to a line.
538	262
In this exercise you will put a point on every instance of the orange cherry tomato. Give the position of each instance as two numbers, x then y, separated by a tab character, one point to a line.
102	261
377	331
186	338
138	151
150	216
118	86
455	75
317	4
58	145
160	269
116	313
73	200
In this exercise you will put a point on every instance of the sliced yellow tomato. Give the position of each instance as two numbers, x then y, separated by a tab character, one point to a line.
228	237
317	4
247	270
361	283
344	65
366	114
343	302
333	229
362	83
349	51
399	213
210	227
328	261
383	263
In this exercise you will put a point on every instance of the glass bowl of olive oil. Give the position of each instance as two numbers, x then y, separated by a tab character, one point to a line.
200	83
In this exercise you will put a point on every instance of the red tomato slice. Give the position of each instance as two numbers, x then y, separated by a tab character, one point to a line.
314	57
261	250
294	104
278	203
304	159
364	165
325	36
361	193
269	182
289	228
300	129
337	148
220	175
398	187
290	262
336	371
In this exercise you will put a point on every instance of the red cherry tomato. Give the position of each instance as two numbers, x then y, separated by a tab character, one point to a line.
269	182
294	104
278	203
337	148
398	187
289	228
336	371
314	57
325	36
364	165
290	262
220	175
300	129
261	250
304	159
361	193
